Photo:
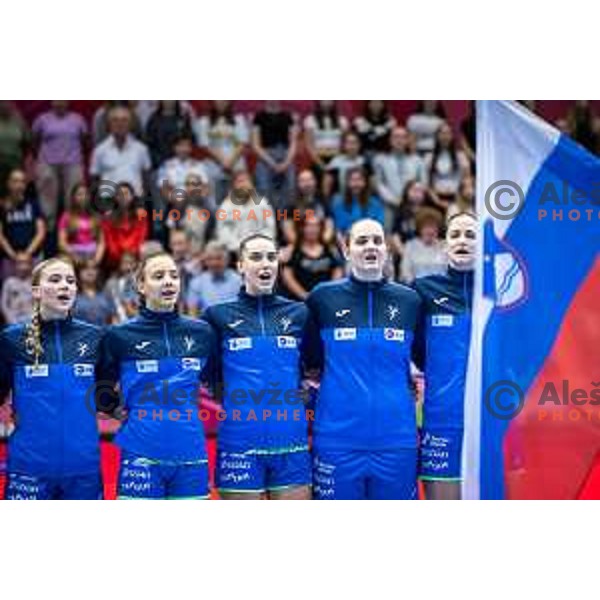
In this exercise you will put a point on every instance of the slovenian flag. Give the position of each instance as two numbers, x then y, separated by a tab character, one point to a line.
532	404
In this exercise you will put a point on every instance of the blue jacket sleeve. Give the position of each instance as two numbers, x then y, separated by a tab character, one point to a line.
213	373
312	346
107	396
419	347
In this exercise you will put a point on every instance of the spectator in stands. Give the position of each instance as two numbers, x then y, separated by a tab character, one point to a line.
584	126
173	172
394	169
16	301
200	225
80	234
218	283
306	199
274	139
425	123
224	136
416	196
14	140
59	136
22	226
374	127
253	215
125	230
168	124
121	288
179	248
121	157
424	254
313	260
446	166
465	201
100	121
356	203
92	305
468	135
337	169
323	131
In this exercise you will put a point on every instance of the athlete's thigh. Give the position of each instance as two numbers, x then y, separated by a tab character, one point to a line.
442	490
289	475
393	475
339	475
188	482
240	475
21	486
82	487
139	479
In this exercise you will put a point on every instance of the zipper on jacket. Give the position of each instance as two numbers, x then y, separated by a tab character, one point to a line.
371	355
166	336
57	341
260	315
59	357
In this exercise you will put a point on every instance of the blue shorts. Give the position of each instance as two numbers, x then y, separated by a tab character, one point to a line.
257	472
144	478
365	475
440	455
21	486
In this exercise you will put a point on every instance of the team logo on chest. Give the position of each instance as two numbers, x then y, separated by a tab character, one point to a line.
82	348
392	311
285	323
189	342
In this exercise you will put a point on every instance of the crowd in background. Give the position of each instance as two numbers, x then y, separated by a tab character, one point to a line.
313	176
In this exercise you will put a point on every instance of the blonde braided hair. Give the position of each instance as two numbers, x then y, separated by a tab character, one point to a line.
33	330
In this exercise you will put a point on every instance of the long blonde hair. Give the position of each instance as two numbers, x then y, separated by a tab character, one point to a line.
33	330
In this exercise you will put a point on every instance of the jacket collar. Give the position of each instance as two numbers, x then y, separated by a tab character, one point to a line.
265	299
357	283
153	315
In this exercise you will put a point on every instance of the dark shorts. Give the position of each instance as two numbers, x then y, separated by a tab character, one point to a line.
144	478
22	486
440	455
365	475
257	472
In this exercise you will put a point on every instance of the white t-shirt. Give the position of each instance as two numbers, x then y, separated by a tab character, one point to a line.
327	140
424	127
121	164
222	136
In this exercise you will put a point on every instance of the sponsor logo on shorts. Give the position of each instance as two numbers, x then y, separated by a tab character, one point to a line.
393	335
286	341
36	371
83	370
146	366
242	343
442	320
342	334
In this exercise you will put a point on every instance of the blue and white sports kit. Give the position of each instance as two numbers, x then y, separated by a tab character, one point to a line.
54	451
365	433
447	315
263	437
159	360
